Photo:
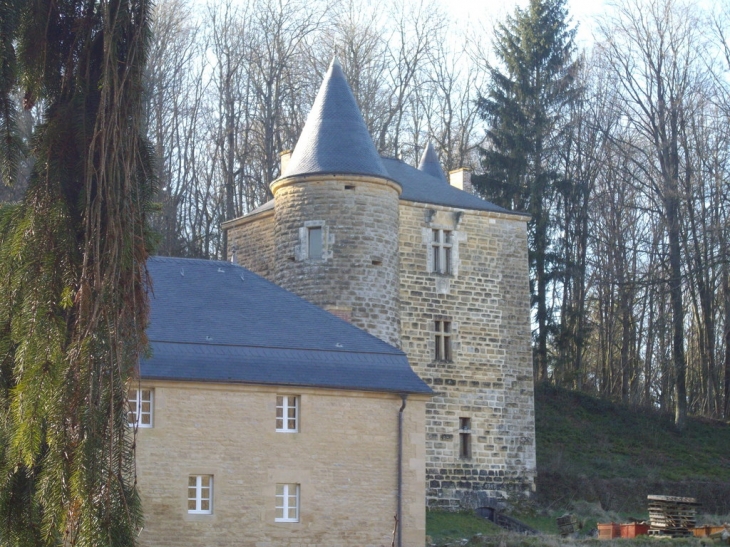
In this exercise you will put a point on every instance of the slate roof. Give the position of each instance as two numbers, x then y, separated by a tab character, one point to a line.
430	164
216	321
424	188
335	138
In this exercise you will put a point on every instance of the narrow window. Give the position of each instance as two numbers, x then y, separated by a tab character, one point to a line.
465	438
442	243
315	242
287	503
287	413
200	494
140	407
442	332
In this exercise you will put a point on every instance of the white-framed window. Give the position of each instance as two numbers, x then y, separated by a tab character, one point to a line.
442	243
287	413
314	243
287	503
200	494
141	403
442	339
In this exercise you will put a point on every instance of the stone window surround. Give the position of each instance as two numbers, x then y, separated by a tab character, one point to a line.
141	407
447	221
286	405
201	494
287	503
301	250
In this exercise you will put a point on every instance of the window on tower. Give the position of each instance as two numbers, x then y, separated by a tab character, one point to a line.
315	242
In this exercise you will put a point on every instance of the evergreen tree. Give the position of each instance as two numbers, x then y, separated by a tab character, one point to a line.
524	105
72	266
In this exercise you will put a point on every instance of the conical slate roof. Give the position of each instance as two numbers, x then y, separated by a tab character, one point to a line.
430	165
335	139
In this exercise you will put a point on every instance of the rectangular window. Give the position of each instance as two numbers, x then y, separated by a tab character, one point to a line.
200	494
287	503
140	407
441	243
443	340
287	413
315	242
465	438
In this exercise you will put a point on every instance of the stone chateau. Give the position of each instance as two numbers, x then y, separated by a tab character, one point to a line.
363	354
415	259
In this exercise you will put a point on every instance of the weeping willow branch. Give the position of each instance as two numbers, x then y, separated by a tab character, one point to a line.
72	274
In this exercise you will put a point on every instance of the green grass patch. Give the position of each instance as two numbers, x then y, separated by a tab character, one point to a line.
447	525
583	435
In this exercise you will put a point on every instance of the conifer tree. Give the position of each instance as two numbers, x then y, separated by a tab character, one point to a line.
72	270
529	90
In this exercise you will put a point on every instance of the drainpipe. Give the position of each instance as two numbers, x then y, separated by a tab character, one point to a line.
403	397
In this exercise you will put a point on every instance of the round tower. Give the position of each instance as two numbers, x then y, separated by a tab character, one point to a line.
336	217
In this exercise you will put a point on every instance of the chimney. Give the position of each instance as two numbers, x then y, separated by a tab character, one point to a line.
284	157
461	179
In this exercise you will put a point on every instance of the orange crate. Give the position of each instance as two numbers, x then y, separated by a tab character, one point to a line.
634	529
609	530
704	531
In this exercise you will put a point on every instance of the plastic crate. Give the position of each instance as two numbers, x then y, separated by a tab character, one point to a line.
609	530
634	529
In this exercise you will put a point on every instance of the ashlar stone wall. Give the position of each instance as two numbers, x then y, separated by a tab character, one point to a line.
357	273
251	243
488	382
343	457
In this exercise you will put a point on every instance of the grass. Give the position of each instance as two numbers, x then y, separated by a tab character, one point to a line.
583	435
444	526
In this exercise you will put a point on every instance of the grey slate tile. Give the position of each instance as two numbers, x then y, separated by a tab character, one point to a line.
216	321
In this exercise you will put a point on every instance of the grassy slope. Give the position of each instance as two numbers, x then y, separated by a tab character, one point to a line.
578	434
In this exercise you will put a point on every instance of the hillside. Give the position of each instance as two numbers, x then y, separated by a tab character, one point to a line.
593	450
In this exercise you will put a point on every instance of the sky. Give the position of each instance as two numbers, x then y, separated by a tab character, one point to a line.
470	13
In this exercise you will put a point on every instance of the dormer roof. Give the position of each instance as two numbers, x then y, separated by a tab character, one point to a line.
335	139
430	164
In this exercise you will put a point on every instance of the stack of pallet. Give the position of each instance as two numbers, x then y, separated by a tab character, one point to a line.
672	516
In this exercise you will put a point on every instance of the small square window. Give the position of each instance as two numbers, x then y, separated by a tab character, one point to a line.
314	250
442	244
140	402
287	503
442	334
200	494
287	413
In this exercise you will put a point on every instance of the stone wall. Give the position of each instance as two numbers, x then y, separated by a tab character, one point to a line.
358	271
252	240
489	379
343	458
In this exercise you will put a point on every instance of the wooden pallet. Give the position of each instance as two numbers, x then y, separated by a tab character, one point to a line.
672	516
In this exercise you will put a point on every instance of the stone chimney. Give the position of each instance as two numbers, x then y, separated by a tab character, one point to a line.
284	158
461	179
